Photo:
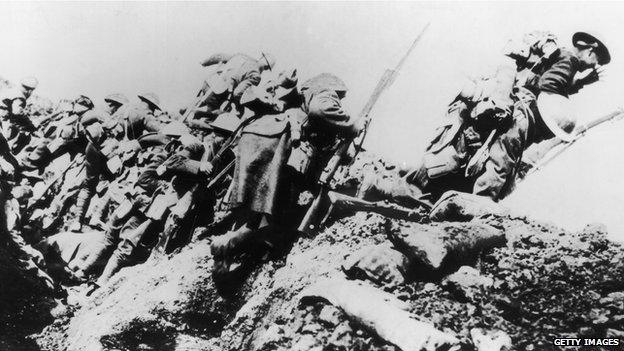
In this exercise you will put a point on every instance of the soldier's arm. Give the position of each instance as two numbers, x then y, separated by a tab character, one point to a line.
558	79
552	102
5	151
248	80
326	111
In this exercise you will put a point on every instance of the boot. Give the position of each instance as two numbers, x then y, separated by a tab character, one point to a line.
82	202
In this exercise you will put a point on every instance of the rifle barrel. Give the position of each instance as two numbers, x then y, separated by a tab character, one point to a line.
409	51
386	80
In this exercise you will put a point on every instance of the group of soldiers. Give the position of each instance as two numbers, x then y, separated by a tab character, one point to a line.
251	141
494	119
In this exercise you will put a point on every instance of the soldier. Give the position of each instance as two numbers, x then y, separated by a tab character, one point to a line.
542	111
266	170
136	222
143	117
64	135
114	102
13	100
104	147
18	128
495	119
229	82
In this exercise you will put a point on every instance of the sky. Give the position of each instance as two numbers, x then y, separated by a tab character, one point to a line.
97	48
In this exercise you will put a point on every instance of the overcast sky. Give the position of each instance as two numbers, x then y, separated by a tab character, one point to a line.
130	47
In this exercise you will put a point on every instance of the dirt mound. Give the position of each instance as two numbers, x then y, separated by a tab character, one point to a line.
544	283
172	303
26	301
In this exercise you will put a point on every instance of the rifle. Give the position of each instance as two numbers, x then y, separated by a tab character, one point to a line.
187	206
342	202
581	132
34	201
195	105
330	169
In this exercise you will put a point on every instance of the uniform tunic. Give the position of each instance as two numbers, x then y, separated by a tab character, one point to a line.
262	181
527	127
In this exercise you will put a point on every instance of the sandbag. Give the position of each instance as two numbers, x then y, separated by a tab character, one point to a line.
459	206
381	264
442	246
381	313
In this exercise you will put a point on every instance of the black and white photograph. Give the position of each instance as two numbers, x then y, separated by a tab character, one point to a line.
311	175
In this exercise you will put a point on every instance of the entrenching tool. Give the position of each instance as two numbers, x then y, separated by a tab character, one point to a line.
311	216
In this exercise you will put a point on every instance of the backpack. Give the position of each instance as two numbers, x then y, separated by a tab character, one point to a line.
533	50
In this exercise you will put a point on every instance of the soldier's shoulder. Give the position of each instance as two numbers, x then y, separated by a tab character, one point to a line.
135	111
566	54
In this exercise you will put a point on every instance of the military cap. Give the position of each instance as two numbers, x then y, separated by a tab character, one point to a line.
84	101
267	59
600	48
30	82
325	81
116	98
152	99
216	59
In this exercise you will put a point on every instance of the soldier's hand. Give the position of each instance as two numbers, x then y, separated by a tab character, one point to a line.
588	76
181	165
206	168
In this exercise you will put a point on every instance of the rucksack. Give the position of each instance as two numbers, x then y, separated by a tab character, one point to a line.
533	50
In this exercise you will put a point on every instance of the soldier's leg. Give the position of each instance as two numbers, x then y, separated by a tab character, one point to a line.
225	247
84	195
500	170
103	249
125	253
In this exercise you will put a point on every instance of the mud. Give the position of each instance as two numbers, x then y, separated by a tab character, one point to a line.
544	283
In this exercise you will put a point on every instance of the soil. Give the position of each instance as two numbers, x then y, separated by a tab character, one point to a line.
546	283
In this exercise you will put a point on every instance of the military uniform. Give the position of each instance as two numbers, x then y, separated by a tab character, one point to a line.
446	157
18	129
234	77
527	127
135	225
133	122
269	172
